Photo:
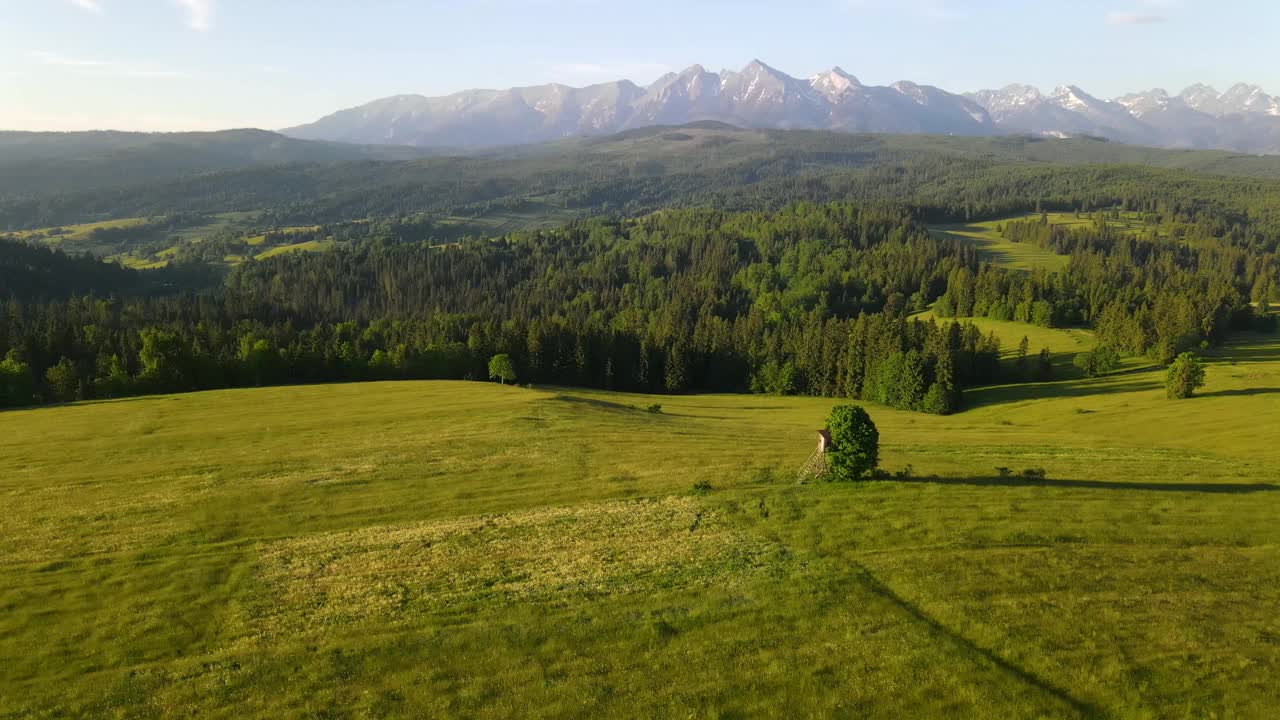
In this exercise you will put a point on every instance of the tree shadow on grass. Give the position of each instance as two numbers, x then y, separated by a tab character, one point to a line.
1002	394
1247	392
1210	488
86	403
605	405
1030	678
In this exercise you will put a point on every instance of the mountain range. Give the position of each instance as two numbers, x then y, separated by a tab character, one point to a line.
1243	119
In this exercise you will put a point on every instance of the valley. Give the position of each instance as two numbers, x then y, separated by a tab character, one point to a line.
732	395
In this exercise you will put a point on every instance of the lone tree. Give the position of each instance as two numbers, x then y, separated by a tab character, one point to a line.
1099	361
1185	376
855	443
502	369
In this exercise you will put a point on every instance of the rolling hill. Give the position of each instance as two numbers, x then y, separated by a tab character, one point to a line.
33	164
650	168
553	553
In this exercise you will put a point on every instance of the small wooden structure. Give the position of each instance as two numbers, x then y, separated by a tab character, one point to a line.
816	466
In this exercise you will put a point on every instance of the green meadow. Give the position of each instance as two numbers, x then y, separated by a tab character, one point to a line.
449	549
995	249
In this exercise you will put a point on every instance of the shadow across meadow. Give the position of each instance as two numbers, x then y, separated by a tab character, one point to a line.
1209	488
1247	392
1002	394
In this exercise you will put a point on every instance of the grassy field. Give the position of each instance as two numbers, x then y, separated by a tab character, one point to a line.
1063	343
537	215
442	549
307	246
994	249
297	230
73	233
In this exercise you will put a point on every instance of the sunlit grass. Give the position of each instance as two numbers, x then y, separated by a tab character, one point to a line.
995	249
447	549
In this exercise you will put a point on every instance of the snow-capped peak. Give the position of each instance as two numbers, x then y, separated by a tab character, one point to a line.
1245	98
834	83
1071	97
1139	104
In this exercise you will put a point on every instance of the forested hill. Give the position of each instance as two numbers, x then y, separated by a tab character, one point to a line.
50	163
640	171
810	299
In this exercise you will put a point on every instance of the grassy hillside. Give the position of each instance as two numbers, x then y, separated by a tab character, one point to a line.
461	549
994	249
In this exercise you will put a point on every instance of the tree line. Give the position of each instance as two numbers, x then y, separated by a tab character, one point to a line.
812	299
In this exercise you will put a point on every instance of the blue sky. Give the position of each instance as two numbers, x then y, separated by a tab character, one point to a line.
206	64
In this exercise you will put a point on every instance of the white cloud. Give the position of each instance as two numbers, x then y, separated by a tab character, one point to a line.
92	6
1134	18
199	13
105	68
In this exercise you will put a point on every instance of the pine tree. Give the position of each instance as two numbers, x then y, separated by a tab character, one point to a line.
1024	348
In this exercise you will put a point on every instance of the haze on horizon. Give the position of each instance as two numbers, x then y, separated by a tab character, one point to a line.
212	64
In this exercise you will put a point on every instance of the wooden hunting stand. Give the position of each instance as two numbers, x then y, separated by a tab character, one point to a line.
816	466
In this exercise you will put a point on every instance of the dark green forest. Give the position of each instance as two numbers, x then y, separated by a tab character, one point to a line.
791	267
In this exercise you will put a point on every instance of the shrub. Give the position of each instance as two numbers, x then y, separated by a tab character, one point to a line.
654	408
1185	376
1099	361
856	443
1034	474
701	487
1004	472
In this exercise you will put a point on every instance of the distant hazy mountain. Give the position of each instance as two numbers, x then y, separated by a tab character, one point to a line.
32	163
758	96
1243	119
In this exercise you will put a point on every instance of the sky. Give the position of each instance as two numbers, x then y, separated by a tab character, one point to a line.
211	64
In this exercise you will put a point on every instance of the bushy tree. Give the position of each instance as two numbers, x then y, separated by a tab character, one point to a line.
64	381
163	357
112	379
502	369
1042	313
16	386
1184	377
1099	361
855	443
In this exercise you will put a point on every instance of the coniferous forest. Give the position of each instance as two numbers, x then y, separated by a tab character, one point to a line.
796	297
